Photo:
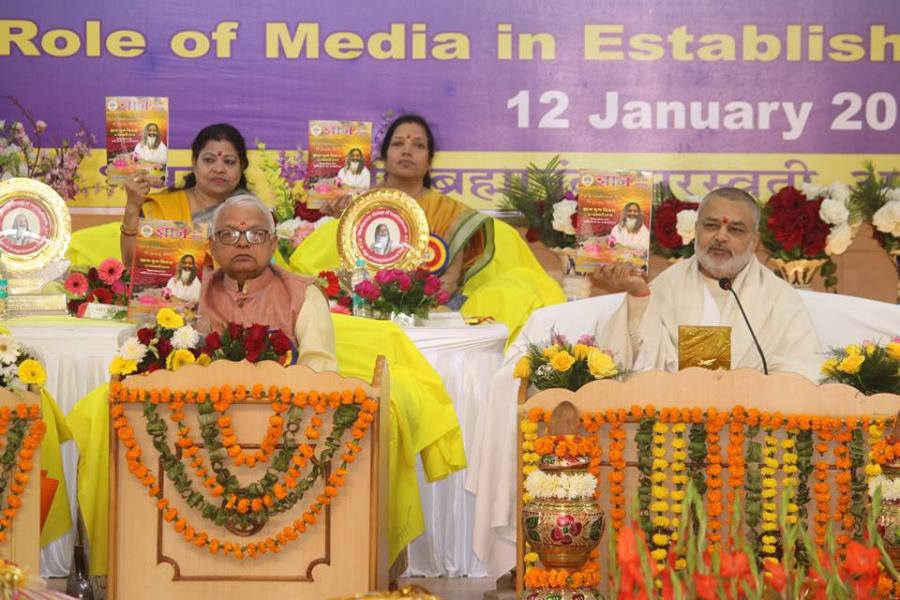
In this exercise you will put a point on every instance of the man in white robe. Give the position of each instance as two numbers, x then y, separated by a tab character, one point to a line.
643	332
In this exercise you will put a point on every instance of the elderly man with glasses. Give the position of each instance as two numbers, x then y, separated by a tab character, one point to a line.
247	289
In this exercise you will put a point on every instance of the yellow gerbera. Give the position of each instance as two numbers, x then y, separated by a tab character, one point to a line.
32	372
122	366
581	351
893	350
522	369
601	364
562	361
203	360
169	319
179	358
851	364
829	366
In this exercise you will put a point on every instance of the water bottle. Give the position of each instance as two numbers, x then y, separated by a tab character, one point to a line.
4	297
360	273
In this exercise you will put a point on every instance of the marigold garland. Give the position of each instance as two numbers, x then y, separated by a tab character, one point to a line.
363	416
23	429
735	450
843	481
715	421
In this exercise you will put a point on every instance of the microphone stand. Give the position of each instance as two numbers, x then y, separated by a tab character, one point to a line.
725	284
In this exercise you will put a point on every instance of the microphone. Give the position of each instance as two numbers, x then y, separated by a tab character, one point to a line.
725	284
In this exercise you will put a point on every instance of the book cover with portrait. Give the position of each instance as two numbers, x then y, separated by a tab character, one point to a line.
168	264
613	218
137	138
339	160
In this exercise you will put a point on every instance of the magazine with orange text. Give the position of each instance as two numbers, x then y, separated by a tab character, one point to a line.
613	218
137	138
339	160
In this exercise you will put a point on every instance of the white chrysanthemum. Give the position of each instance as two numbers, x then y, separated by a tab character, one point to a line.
562	216
892	194
839	192
890	488
839	239
812	190
571	486
887	218
285	229
685	225
133	349
9	349
833	211
185	338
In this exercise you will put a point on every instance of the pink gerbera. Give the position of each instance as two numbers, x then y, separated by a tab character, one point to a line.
76	284
110	271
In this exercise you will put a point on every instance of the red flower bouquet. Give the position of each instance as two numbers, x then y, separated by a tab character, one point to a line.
105	284
338	297
398	291
673	227
791	227
255	343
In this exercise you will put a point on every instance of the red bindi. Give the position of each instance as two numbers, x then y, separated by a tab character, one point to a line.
725	220
219	153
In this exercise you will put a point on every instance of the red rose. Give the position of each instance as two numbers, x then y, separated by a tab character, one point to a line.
234	331
213	341
153	367
532	235
102	295
145	335
253	353
421	274
793	222
280	342
164	347
665	222
307	214
256	333
93	275
345	301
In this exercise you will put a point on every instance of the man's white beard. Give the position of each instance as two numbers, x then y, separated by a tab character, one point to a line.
631	223
186	277
354	164
729	268
151	140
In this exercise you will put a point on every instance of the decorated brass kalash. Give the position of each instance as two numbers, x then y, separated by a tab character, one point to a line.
35	229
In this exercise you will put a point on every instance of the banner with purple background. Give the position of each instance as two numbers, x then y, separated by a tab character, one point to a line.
705	94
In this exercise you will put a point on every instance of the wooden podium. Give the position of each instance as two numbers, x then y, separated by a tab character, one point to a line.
345	552
23	538
785	393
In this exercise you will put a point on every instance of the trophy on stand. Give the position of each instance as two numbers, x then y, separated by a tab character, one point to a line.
35	229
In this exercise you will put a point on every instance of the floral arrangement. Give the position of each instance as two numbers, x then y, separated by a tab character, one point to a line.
880	200
23	429
559	364
869	367
171	344
697	529
570	486
402	292
289	448
674	223
19	368
16	584
338	297
107	284
287	178
548	209
23	154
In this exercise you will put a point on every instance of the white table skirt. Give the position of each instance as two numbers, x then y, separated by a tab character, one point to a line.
77	356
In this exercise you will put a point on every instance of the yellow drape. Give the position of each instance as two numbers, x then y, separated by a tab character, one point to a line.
59	518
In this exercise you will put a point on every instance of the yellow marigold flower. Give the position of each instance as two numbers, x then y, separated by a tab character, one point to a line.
581	351
852	349
770	506
679	479
660	539
527	469
660	427
768	493
531	557
658	438
659	491
789	481
769	526
678	443
771	440
551	351
528	446
179	358
120	366
530	437
789	457
657	477
767	471
31	372
870	349
562	361
791	519
792	507
769	483
678	495
893	350
771	463
659	554
677	466
680	455
523	368
873	470
676	508
787	443
528	426
769	516
851	364
678	428
875	432
659	506
658	452
660	521
204	359
769	539
829	366
601	364
168	318
659	464
680	564
767	548
526	497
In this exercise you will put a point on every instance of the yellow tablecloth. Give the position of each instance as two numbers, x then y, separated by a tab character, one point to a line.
422	419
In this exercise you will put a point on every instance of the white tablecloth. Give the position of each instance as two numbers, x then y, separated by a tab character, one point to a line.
839	320
77	354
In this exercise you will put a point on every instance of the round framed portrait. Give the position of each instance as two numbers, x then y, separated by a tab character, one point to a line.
384	227
35	226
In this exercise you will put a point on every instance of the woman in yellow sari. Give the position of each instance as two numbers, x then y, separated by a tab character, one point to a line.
218	162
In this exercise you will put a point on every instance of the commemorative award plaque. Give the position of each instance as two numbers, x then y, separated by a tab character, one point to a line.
384	227
35	229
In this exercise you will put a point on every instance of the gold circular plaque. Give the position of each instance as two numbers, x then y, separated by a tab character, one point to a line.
386	228
35	226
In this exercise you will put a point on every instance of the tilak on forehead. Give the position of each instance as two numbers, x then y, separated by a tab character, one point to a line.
725	220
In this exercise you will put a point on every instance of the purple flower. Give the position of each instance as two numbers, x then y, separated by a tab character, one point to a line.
558	338
587	339
569	195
